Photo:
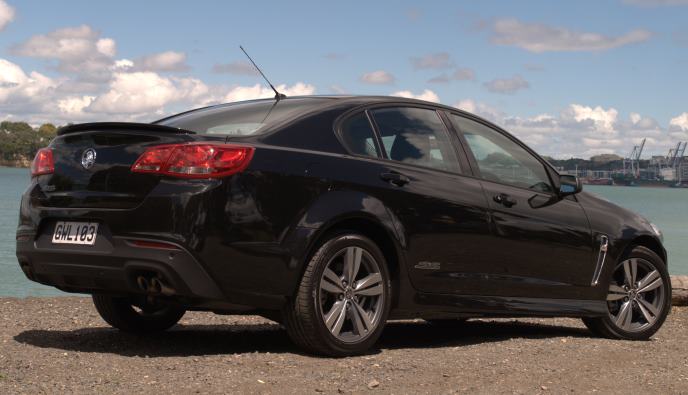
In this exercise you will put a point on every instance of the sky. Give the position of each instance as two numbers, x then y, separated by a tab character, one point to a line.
570	78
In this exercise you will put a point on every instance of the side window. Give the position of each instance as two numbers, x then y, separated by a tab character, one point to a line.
500	159
416	136
357	135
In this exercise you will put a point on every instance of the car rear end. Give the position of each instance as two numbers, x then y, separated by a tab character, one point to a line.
112	208
192	207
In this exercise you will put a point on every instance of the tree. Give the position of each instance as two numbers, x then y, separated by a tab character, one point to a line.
47	131
18	141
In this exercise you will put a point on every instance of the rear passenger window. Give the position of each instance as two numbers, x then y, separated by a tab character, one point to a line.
358	137
416	136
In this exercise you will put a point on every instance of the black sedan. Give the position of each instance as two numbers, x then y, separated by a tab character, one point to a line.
332	215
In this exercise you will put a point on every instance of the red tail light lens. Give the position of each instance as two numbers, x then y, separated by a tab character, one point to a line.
43	162
194	160
153	244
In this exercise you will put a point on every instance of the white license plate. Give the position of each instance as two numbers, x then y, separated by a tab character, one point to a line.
83	233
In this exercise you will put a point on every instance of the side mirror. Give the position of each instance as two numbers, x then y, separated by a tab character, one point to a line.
569	185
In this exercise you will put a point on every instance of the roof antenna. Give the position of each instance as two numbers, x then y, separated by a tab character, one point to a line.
278	96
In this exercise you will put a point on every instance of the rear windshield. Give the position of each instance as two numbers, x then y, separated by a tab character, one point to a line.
240	119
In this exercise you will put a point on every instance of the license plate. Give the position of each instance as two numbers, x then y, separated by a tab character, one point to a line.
82	233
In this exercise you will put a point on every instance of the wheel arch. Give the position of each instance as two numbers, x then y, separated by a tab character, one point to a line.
650	243
355	212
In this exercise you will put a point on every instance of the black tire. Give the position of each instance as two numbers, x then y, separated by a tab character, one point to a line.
605	327
120	313
302	315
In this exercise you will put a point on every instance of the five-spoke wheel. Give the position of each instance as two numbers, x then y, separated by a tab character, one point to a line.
638	299
343	299
351	294
636	295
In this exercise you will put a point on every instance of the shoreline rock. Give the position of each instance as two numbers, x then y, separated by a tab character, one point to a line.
679	293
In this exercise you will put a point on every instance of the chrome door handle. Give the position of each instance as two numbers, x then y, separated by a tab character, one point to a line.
504	199
395	178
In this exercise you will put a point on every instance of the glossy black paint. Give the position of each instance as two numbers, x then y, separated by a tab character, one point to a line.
456	244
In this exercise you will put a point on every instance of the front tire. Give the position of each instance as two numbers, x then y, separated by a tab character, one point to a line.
638	300
121	313
343	300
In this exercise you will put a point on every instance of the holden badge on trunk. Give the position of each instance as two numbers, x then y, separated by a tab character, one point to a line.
88	158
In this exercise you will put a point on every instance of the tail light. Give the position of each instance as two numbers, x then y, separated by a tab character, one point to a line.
194	160
43	162
153	244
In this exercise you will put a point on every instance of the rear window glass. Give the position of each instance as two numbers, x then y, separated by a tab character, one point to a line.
241	119
357	135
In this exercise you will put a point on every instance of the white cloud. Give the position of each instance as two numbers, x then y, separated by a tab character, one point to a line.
536	37
582	131
440	60
602	120
426	95
73	106
481	109
129	94
680	122
163	61
379	77
6	14
18	87
507	85
135	93
77	50
259	91
107	47
123	64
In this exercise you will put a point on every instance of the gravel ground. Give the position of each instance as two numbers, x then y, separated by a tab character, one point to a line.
51	345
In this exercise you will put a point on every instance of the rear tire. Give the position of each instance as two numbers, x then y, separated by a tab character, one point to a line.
647	296
333	312
120	313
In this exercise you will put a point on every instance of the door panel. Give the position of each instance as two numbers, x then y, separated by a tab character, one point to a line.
444	214
542	244
445	224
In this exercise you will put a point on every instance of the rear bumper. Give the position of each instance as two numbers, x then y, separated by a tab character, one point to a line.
113	269
228	251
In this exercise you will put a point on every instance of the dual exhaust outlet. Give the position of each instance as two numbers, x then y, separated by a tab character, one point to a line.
154	286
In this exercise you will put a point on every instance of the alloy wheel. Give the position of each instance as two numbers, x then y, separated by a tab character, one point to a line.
351	295
636	295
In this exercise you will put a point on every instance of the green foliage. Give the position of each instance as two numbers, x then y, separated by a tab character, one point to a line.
605	158
19	141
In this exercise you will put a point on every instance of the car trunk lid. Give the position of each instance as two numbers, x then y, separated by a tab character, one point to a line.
93	165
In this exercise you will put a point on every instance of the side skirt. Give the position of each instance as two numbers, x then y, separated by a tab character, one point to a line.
442	305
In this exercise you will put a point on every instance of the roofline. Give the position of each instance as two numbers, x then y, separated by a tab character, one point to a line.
373	99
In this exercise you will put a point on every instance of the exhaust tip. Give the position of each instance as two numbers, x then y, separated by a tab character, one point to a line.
155	285
143	283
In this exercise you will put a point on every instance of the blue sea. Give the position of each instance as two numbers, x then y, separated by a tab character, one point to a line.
666	207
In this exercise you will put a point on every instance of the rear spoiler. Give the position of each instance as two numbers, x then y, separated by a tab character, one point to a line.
96	126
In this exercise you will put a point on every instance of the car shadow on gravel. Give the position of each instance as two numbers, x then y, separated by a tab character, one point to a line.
203	340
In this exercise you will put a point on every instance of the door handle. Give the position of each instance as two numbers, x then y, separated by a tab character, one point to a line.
504	199
395	178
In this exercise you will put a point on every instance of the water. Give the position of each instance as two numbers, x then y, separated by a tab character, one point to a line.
12	279
666	207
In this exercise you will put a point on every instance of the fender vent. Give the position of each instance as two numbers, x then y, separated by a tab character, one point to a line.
602	254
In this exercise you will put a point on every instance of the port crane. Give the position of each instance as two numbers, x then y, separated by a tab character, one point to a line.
679	153
631	163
